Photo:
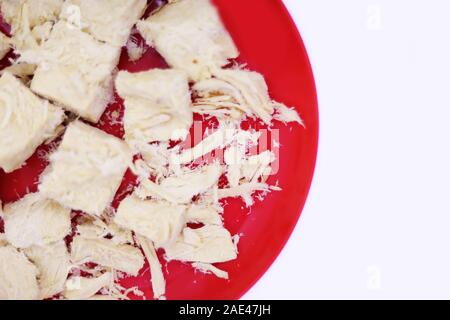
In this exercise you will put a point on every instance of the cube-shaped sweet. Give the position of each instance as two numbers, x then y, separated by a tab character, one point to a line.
18	276
31	20
190	35
158	105
86	170
74	70
110	21
26	121
35	221
33	13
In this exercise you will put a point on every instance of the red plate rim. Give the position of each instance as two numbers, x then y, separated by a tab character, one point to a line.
315	106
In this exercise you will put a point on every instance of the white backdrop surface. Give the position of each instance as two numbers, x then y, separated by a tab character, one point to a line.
377	222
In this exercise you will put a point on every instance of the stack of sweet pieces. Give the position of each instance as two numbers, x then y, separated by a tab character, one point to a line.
68	54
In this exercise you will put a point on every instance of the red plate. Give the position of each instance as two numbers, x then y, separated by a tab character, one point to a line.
270	44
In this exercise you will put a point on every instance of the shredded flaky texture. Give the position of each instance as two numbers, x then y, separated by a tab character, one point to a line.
35	221
125	258
31	20
114	27
74	70
86	170
235	93
158	281
68	51
26	121
190	36
209	244
18	276
81	288
53	264
159	221
158	105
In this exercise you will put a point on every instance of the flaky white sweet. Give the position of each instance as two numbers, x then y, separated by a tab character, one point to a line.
235	93
219	139
190	35
209	244
247	168
107	20
157	105
18	276
210	269
30	20
156	157
74	70
81	288
204	214
159	221
86	170
125	258
35	220
53	264
244	191
182	188
158	281
99	229
26	121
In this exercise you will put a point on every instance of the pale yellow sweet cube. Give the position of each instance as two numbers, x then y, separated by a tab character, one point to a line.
26	121
86	170
190	35
110	21
31	20
158	105
74	70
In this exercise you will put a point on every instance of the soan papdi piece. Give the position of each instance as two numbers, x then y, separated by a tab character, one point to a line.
209	244
159	221
4	45
107	20
18	276
190	35
53	263
156	157
35	220
244	191
219	139
250	169
209	268
286	115
258	166
30	20
157	105
74	70
106	253
98	229
242	91
183	187
86	170
26	121
79	288
158	281
203	214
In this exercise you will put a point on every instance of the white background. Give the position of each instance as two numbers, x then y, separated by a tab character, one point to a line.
377	222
